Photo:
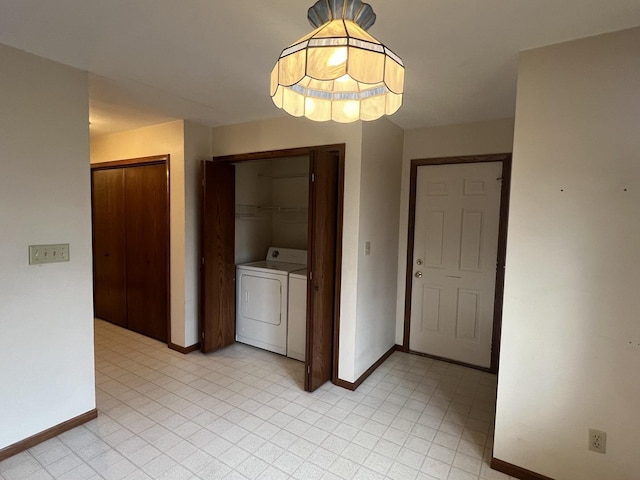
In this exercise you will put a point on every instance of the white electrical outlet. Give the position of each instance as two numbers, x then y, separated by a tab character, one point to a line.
597	441
54	253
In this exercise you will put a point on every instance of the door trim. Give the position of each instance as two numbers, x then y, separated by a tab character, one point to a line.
308	151
130	162
505	158
135	162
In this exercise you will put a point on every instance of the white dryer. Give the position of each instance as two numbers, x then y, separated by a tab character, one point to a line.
262	298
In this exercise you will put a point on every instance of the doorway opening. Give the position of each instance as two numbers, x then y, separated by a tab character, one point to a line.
456	248
293	197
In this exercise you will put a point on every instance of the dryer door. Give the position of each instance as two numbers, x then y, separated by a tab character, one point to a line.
259	298
262	310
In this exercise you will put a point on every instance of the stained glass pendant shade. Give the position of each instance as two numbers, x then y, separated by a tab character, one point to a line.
339	71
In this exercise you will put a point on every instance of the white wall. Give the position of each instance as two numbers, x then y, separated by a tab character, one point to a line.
187	143
290	190
571	336
253	227
46	311
433	142
263	186
197	147
379	205
289	132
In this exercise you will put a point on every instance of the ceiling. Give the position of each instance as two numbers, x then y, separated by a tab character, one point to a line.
209	61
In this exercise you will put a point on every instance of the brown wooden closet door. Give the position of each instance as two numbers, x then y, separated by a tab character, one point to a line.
218	269
323	211
146	226
109	272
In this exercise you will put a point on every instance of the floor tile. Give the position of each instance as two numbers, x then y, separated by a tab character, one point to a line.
241	413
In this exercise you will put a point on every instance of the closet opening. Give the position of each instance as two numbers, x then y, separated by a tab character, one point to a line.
271	255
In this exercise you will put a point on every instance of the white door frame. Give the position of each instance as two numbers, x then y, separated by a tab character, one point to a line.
505	158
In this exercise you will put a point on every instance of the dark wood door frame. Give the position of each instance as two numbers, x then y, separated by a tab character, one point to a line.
505	158
136	162
309	151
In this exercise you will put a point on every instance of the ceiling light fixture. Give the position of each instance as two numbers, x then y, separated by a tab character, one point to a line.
338	72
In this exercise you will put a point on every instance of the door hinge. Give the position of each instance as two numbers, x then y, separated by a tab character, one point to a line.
309	369
202	260
203	335
313	177
310	275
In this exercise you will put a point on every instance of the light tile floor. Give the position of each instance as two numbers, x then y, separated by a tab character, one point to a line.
241	413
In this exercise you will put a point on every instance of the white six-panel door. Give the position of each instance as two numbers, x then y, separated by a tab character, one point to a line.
457	217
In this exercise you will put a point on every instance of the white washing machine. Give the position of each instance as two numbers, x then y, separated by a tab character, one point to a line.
297	336
262	290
